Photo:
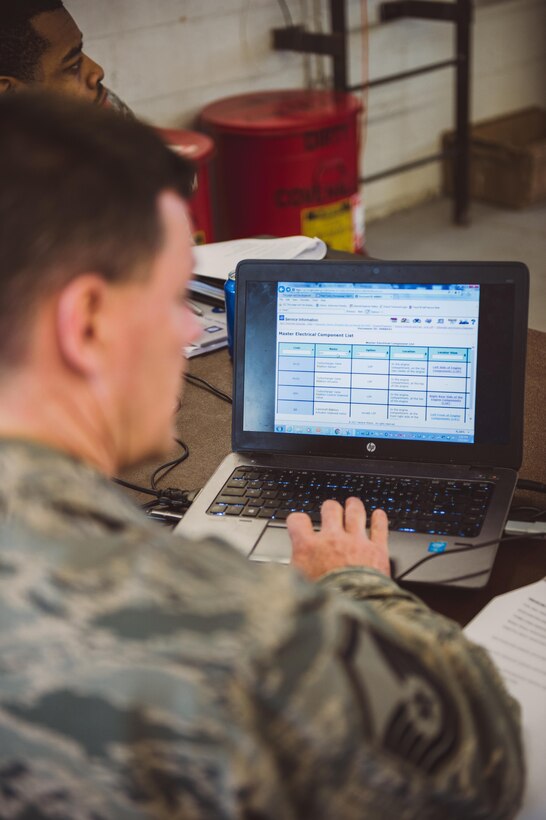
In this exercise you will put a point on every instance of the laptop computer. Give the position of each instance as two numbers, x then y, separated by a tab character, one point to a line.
401	382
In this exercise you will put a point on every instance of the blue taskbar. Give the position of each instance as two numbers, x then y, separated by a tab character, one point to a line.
306	430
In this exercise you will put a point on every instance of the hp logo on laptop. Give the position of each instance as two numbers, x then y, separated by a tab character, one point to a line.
370	447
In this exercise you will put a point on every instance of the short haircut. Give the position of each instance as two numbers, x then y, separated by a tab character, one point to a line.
21	47
78	193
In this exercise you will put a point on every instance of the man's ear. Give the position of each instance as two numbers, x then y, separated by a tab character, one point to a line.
8	83
82	324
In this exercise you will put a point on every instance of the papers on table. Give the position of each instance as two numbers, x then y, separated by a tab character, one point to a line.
218	259
211	290
214	262
512	627
214	335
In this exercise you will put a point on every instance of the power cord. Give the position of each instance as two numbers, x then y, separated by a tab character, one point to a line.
533	486
169	505
515	530
164	469
531	514
170	498
205	385
527	513
462	548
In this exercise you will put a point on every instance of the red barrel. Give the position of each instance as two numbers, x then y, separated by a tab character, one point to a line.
287	163
199	149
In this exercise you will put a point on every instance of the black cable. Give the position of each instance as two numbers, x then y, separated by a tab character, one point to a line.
539	515
532	514
170	492
462	577
135	487
524	508
197	381
172	498
169	497
470	548
534	486
165	469
150	505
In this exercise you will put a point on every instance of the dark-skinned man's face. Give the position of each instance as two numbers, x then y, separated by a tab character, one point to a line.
64	67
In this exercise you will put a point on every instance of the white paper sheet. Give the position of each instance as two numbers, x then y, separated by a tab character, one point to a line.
512	627
218	259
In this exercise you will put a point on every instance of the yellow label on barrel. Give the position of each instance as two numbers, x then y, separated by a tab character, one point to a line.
333	223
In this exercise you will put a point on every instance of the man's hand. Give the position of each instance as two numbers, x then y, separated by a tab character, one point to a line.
342	540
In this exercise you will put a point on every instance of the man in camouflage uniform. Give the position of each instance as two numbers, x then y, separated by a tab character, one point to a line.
143	676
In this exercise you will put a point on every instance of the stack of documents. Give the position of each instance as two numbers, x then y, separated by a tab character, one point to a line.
214	262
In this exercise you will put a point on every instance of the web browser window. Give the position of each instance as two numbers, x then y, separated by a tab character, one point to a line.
377	360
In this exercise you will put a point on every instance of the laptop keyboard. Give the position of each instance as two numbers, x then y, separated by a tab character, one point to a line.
433	506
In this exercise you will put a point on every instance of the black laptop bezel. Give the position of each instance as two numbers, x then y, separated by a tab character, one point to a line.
508	454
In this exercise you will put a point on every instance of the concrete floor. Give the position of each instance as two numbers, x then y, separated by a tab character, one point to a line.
426	232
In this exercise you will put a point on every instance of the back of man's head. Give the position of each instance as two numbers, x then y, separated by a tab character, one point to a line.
21	47
78	193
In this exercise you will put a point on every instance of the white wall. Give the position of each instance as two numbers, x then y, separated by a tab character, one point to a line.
168	58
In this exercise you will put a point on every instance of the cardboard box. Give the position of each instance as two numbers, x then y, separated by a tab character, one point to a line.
507	159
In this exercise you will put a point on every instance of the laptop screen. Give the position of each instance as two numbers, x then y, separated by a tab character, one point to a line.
381	360
377	360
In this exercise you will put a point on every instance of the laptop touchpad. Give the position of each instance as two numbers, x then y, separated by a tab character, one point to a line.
274	545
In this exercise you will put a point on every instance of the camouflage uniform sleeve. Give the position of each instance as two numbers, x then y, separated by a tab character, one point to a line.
158	678
379	708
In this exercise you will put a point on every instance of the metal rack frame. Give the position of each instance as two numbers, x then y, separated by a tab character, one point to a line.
334	44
